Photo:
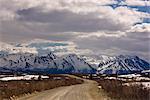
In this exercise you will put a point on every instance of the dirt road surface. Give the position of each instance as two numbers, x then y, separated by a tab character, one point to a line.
86	91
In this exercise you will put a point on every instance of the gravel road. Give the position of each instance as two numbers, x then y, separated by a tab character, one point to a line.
86	91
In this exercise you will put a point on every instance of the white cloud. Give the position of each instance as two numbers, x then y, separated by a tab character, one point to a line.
137	2
120	15
43	47
91	24
98	34
7	48
58	47
6	15
145	27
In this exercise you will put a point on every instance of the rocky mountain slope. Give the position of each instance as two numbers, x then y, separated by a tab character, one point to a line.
30	57
122	64
44	64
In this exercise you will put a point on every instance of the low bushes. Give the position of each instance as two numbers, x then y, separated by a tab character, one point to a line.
15	88
116	90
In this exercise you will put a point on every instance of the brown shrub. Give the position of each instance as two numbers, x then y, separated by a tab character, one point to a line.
115	89
16	88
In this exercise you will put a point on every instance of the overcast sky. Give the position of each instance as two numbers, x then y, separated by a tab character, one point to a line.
101	26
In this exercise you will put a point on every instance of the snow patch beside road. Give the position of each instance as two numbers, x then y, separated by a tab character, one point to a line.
26	77
145	84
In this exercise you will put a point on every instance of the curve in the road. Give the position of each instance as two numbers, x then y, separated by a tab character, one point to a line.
85	91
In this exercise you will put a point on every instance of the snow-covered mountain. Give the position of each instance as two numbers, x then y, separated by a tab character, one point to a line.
44	64
33	57
72	63
122	64
82	65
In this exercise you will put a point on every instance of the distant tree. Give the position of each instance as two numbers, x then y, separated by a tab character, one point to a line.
91	77
39	78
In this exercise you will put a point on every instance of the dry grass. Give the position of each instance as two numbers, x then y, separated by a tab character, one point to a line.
116	90
96	93
16	88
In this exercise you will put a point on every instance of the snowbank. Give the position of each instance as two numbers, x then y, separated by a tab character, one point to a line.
26	77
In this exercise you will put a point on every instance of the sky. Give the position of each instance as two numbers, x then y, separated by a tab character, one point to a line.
110	27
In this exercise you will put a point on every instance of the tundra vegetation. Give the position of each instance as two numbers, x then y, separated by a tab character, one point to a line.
118	91
14	88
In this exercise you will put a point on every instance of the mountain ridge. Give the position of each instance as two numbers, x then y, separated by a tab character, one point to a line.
123	64
51	63
71	63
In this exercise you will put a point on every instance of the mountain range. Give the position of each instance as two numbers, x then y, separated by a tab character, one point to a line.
71	63
37	56
31	63
122	64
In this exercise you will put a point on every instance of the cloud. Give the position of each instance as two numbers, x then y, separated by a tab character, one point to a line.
123	45
93	25
66	21
43	47
10	49
135	42
31	17
137	2
102	33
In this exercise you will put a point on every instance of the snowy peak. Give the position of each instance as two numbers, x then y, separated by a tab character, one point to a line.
46	64
76	61
122	64
51	56
72	63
